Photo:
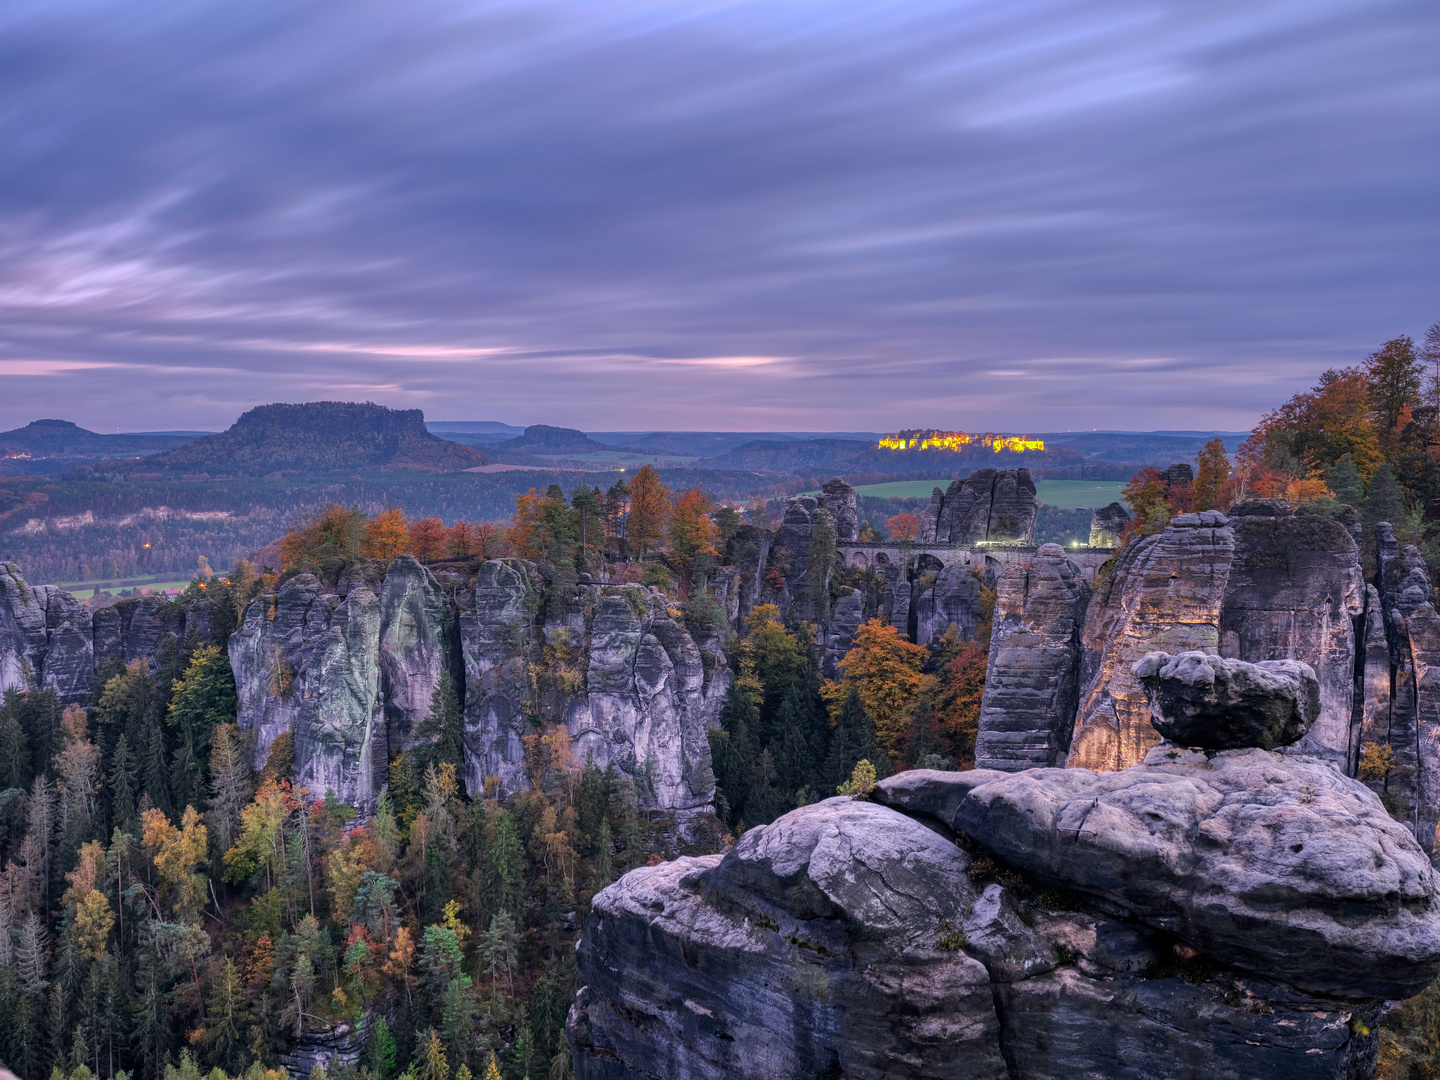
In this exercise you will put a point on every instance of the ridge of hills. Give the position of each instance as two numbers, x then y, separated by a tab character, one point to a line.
51	446
315	437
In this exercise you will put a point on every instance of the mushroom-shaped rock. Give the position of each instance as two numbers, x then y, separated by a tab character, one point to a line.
1216	703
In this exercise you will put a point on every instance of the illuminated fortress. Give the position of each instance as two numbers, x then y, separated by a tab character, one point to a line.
957	440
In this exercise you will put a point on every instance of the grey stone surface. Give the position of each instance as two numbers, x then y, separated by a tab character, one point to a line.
136	629
839	498
1294	591
952	598
812	948
846	940
1106	525
416	636
45	638
1215	703
1164	594
1274	864
1031	684
307	661
988	506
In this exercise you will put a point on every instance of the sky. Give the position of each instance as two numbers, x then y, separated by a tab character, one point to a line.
1014	215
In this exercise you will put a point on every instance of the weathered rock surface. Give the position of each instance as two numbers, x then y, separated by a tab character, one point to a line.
45	638
1032	683
1164	595
948	596
309	662
848	940
1273	864
1206	701
1294	591
416	638
1106	525
137	629
839	498
812	948
646	710
988	506
495	634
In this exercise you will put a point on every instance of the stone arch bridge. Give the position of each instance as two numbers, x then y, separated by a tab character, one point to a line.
857	554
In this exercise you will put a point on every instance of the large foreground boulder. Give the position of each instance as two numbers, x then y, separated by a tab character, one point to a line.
849	939
1272	864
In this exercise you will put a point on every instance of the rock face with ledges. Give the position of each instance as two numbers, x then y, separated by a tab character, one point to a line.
847	939
417	633
647	707
495	634
1032	682
1274	864
307	661
813	948
1294	591
45	638
1164	594
137	630
953	598
1106	525
988	506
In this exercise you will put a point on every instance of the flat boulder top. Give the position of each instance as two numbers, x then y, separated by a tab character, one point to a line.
1274	864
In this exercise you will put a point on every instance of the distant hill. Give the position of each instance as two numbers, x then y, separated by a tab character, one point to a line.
55	446
544	439
317	438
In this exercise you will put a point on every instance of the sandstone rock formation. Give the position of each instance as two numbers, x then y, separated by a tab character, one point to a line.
1401	707
1294	591
354	675
309	662
137	629
417	639
849	939
988	506
1106	525
1206	701
942	597
1032	683
45	638
789	549
1164	594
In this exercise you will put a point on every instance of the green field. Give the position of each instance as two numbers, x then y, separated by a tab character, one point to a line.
623	458
1063	494
85	589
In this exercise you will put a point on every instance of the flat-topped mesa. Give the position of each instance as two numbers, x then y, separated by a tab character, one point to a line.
990	506
1218	704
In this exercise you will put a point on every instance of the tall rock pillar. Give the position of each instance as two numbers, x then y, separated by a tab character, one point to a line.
1164	594
1031	686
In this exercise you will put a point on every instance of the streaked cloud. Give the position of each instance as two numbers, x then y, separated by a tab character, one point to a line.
1035	215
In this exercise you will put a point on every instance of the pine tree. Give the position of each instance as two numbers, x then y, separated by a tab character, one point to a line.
1384	501
1343	480
444	729
122	785
765	801
819	564
604	872
492	1069
230	783
852	742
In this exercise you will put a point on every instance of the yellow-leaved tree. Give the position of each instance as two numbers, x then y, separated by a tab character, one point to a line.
886	671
